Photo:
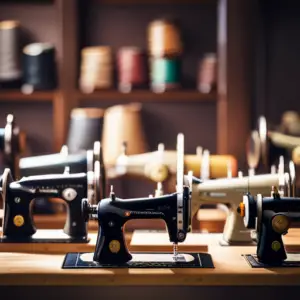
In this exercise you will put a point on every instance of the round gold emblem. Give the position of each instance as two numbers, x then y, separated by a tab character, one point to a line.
18	220
114	246
280	223
276	246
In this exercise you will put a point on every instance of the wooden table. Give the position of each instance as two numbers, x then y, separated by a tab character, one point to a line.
40	276
230	269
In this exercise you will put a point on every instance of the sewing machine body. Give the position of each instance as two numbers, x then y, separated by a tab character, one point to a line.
113	213
231	191
159	165
17	196
55	164
270	217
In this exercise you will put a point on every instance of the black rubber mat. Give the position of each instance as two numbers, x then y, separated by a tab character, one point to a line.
293	261
76	261
45	236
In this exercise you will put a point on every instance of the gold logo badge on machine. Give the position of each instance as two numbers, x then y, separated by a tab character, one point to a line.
114	246
18	220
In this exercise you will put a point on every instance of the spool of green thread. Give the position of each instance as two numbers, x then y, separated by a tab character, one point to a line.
165	71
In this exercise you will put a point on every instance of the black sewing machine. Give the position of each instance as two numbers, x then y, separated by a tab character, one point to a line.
273	145
10	145
57	162
271	218
18	225
113	213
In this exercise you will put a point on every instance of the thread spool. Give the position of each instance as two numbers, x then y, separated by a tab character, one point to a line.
164	38
39	67
96	68
207	74
85	128
10	69
165	73
122	123
131	68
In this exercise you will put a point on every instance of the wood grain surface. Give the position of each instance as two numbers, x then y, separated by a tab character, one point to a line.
230	270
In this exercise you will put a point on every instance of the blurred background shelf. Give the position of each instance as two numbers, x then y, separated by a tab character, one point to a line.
148	96
208	26
15	95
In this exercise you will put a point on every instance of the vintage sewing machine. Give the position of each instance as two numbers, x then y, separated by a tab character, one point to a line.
18	225
230	191
274	144
82	162
12	144
271	218
159	165
56	163
113	213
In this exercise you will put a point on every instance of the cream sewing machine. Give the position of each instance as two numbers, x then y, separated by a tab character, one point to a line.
159	165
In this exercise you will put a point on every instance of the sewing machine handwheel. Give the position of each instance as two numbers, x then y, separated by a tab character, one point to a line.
253	149
250	211
6	180
263	135
101	181
85	209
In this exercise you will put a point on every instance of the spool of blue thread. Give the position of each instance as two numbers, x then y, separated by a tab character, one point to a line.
165	73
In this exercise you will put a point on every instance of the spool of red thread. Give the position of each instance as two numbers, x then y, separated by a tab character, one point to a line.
131	68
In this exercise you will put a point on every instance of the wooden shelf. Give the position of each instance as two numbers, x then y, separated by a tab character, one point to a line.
148	96
16	95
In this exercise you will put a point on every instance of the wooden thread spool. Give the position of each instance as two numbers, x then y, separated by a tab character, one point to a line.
10	69
207	73
96	68
164	73
39	67
131	68
122	123
85	128
164	38
218	165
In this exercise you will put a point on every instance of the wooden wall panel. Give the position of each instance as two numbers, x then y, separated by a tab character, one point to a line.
283	64
236	73
36	120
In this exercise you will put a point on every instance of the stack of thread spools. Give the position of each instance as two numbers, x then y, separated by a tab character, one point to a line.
39	68
131	65
10	67
165	49
96	68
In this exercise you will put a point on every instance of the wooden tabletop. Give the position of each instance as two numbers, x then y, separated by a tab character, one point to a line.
230	270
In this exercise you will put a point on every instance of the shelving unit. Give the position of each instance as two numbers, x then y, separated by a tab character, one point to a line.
147	96
234	43
15	95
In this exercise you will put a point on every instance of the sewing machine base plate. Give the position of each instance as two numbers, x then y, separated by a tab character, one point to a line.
142	260
224	243
293	260
46	236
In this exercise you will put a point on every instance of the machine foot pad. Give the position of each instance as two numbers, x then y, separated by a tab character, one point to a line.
47	236
293	261
142	260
